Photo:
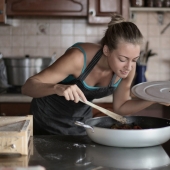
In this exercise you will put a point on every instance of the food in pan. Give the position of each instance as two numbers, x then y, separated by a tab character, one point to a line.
125	126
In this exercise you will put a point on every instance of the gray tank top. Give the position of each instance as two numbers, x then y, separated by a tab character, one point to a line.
55	115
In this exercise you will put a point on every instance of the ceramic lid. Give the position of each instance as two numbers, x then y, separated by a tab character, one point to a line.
157	91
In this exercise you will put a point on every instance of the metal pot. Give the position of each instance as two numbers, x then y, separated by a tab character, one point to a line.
155	131
20	69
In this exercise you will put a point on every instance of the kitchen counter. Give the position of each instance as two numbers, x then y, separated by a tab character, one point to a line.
15	98
26	99
80	153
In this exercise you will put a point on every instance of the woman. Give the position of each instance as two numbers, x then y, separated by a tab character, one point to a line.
87	71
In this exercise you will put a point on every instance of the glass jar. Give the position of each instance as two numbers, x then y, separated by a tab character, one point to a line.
166	3
150	3
158	3
137	3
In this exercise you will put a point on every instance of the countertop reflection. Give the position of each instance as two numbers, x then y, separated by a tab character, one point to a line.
79	152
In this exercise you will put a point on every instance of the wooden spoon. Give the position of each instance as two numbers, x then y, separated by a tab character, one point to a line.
107	112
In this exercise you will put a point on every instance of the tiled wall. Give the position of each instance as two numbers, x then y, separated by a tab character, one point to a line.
44	37
158	67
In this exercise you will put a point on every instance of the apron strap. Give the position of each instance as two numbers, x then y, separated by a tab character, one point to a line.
113	80
93	62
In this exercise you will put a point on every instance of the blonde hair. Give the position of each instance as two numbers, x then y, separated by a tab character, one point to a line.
120	30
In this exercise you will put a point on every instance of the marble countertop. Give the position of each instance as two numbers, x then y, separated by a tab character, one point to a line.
81	153
17	98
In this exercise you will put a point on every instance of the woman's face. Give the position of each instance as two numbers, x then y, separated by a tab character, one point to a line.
122	60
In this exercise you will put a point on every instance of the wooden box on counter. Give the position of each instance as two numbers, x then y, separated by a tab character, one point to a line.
15	134
9	160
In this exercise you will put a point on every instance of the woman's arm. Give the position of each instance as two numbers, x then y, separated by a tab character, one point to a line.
45	82
123	103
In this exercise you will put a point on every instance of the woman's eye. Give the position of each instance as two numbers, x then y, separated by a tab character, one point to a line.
122	60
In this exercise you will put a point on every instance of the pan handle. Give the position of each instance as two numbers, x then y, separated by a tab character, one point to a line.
84	125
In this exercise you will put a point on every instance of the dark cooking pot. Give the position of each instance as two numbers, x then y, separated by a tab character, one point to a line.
20	69
155	131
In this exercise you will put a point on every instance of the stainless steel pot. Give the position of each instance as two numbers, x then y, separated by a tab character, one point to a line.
20	69
155	131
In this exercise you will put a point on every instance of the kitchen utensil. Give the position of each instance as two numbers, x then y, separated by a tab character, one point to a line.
164	29
155	131
107	112
156	91
146	51
20	69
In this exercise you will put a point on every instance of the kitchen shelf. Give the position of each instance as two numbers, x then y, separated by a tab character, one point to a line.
149	9
160	11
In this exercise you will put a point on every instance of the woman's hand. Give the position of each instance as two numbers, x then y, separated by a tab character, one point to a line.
70	92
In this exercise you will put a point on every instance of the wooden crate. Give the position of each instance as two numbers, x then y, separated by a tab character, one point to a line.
15	133
17	160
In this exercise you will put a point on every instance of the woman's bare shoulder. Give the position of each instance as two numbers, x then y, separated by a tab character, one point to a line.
77	54
90	49
71	61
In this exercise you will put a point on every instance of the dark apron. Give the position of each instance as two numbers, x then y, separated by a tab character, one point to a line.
55	115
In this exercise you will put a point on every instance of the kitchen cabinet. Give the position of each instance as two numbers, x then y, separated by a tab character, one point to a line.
22	109
2	11
14	109
99	10
97	113
47	8
166	112
155	110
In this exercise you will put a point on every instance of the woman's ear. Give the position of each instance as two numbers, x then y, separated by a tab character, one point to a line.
105	50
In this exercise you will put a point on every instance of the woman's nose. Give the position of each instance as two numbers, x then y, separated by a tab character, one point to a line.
129	66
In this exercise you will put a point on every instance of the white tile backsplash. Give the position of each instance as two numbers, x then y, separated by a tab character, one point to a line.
55	41
17	51
67	41
30	28
31	51
79	38
152	18
5	41
165	42
42	37
165	54
30	41
5	30
142	18
92	30
42	52
153	30
79	29
6	51
55	28
43	41
67	28
18	30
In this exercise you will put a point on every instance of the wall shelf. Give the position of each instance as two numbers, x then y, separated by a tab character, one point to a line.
159	11
149	9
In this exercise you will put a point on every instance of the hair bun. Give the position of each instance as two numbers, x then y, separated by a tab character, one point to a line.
115	19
